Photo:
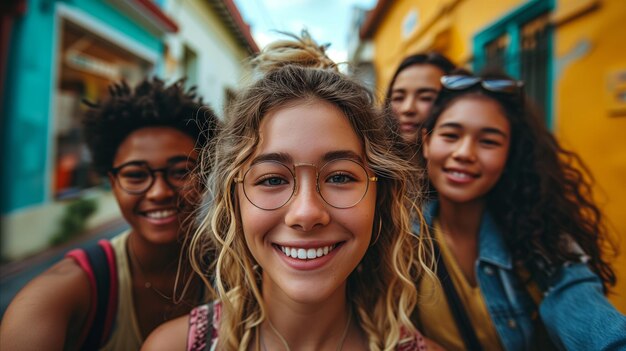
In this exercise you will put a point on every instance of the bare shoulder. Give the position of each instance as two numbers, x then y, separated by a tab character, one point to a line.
49	310
171	335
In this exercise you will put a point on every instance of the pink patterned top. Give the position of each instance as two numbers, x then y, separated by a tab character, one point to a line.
203	334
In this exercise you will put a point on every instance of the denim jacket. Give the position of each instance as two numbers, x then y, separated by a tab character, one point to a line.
575	312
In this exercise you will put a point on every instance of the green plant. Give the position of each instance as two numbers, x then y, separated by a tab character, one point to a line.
74	220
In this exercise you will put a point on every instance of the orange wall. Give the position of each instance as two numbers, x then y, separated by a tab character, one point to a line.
589	48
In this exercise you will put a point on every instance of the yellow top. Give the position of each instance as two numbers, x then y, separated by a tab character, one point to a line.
434	313
125	334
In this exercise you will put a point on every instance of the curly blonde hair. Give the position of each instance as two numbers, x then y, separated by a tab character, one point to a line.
294	71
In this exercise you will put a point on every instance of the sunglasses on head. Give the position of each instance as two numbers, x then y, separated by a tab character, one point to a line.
461	82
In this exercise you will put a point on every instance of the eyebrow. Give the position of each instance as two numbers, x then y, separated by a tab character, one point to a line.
287	159
333	155
273	156
419	91
487	130
170	160
178	158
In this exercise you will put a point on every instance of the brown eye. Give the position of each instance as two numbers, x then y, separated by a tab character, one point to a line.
136	174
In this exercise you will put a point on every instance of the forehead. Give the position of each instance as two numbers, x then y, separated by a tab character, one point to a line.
307	130
418	76
154	145
475	112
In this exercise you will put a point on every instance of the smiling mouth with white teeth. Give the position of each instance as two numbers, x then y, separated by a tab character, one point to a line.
160	214
460	174
306	254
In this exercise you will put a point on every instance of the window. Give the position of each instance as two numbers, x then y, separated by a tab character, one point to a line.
88	65
521	44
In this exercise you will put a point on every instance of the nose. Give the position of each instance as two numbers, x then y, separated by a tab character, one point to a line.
465	150
160	190
408	107
306	210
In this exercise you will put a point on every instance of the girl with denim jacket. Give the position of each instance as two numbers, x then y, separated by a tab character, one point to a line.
519	235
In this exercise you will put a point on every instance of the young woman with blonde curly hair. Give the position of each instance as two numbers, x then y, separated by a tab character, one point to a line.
310	217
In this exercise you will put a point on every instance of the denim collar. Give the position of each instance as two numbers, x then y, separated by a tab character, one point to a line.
491	245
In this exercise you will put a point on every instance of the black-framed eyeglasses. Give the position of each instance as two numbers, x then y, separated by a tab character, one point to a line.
136	177
341	183
462	82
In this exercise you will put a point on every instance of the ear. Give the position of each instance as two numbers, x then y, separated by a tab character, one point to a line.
111	178
425	142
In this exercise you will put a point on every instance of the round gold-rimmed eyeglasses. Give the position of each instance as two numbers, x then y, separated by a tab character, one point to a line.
341	183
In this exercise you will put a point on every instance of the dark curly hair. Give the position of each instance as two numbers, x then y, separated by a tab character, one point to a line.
543	200
150	104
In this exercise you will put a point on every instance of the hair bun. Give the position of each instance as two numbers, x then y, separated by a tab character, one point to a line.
302	51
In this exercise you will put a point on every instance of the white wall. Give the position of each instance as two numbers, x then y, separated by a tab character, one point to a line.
220	57
31	229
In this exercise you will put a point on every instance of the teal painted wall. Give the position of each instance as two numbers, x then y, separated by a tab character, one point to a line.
26	112
110	15
29	91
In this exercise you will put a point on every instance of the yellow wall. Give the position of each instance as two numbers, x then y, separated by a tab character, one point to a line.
450	32
589	51
583	117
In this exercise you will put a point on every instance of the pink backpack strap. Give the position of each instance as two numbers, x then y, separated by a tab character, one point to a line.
98	262
80	257
113	289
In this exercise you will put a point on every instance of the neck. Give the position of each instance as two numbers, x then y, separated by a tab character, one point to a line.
461	220
154	258
158	269
306	326
460	226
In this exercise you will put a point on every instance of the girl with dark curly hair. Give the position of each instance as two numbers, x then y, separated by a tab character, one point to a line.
145	141
519	240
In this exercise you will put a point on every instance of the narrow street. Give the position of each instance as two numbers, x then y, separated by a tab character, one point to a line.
14	275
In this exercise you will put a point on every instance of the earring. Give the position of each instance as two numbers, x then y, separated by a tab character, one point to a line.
380	228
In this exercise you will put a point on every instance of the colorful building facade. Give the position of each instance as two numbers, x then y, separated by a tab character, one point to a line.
61	53
570	53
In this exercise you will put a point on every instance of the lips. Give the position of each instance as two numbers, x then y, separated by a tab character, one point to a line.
160	216
306	253
460	175
408	127
307	256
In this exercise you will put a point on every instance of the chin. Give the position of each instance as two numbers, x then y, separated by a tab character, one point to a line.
409	138
462	198
163	236
311	293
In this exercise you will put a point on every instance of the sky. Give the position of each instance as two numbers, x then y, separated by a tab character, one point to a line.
326	20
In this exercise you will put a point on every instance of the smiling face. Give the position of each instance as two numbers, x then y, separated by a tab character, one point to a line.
307	248
412	96
156	214
467	149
